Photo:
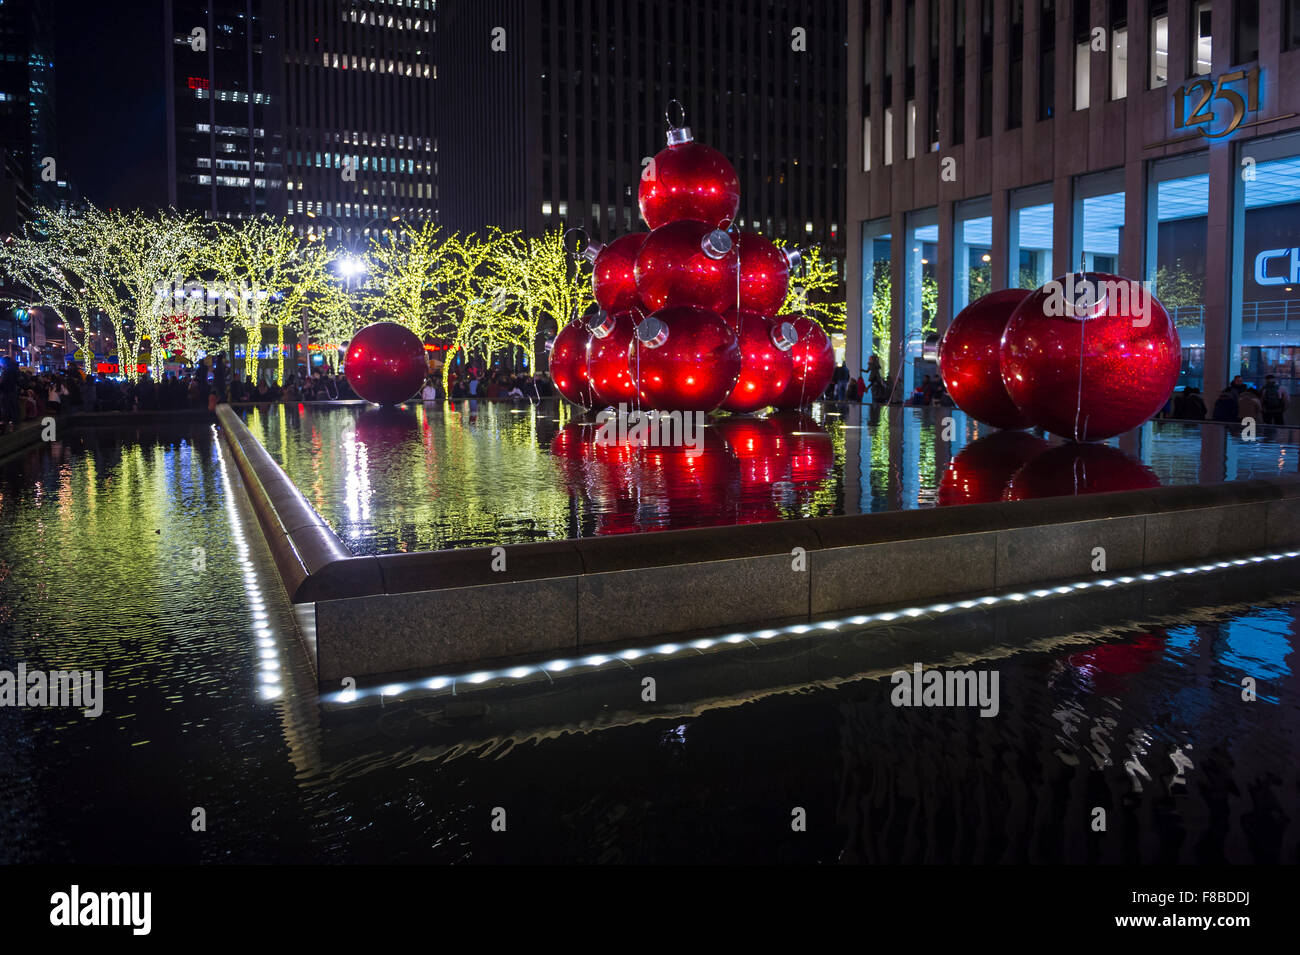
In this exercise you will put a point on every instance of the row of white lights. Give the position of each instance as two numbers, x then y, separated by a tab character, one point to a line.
567	665
268	662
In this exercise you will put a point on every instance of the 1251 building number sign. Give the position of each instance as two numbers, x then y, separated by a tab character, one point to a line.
1194	103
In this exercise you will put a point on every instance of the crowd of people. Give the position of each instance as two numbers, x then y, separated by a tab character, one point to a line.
1235	403
28	395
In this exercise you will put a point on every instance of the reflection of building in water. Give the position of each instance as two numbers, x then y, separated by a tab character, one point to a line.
992	145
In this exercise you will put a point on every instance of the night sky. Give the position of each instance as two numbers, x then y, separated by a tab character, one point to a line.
110	100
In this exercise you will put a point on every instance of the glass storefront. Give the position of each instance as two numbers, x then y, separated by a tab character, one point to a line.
877	299
1099	220
1029	244
972	251
1175	253
1266	301
921	295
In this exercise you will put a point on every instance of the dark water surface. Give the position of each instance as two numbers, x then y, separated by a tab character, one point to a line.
1128	700
484	473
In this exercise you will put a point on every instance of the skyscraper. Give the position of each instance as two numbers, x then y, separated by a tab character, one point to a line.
549	109
27	102
225	144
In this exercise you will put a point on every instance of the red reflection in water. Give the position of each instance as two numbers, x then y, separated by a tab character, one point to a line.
1072	469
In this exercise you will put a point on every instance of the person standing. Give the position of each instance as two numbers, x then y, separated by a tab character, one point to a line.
1249	406
841	380
1274	401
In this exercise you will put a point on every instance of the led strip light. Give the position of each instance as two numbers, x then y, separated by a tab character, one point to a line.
268	655
566	666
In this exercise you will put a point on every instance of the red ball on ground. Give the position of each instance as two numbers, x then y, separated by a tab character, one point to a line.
688	180
764	274
813	359
569	364
385	363
687	263
607	355
687	359
1089	356
612	279
766	365
969	364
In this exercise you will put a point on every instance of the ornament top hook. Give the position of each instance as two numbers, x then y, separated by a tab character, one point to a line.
678	132
588	248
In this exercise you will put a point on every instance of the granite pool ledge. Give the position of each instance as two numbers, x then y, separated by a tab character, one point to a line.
402	612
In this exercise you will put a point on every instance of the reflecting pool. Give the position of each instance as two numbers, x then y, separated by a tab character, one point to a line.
136	553
437	476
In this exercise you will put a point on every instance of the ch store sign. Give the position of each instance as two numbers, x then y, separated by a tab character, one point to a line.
1278	267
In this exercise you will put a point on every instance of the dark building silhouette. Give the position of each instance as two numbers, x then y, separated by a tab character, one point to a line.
549	108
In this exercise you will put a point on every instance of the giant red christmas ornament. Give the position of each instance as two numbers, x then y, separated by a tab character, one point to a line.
813	359
981	471
688	180
765	362
685	359
687	263
385	363
569	364
1072	469
1090	355
612	280
968	359
607	353
764	273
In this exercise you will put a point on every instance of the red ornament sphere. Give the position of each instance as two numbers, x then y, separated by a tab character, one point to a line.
813	358
687	263
612	279
1071	469
765	362
385	363
688	180
969	364
607	367
687	359
981	471
764	274
569	364
1089	356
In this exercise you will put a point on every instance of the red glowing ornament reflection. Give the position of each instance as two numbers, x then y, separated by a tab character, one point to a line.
765	362
764	274
687	263
569	364
385	363
1090	355
685	359
1073	469
613	282
969	363
813	359
981	471
688	180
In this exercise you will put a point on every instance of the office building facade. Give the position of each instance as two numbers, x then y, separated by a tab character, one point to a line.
1001	143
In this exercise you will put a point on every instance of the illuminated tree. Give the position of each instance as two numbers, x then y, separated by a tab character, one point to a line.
413	272
475	318
335	316
540	279
49	260
815	290
264	274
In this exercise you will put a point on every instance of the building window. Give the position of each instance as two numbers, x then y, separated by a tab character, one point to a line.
1266	319
911	128
959	77
1099	221
1200	38
876	299
1015	96
1047	60
986	69
1029	245
866	144
921	286
1118	49
1159	54
972	253
1245	20
1292	27
889	135
1082	54
1175	253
